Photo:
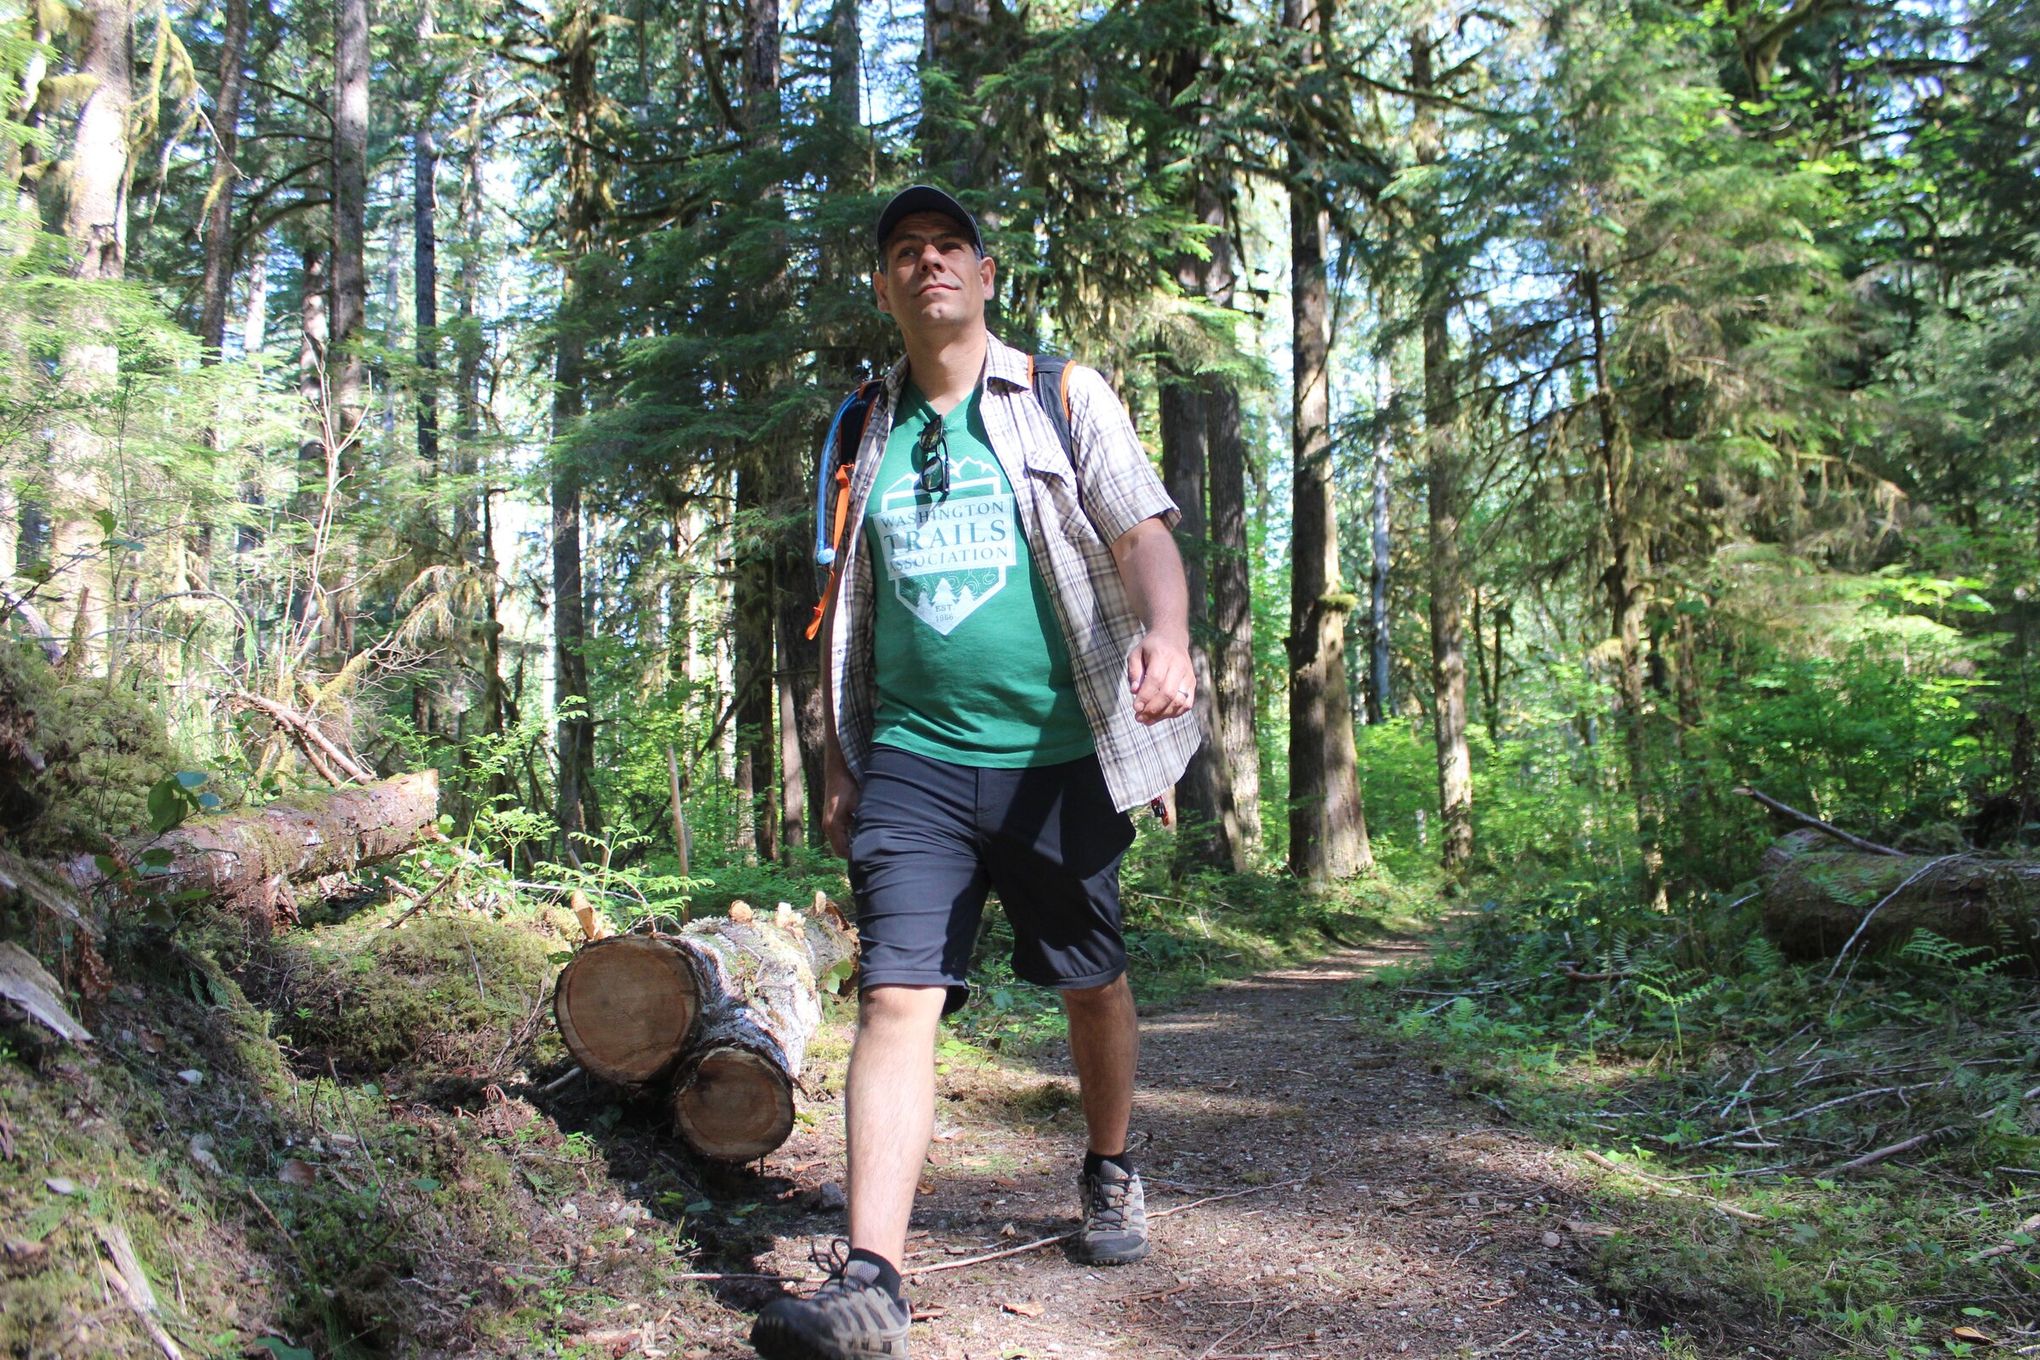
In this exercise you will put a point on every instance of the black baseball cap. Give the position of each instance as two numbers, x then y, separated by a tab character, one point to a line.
917	198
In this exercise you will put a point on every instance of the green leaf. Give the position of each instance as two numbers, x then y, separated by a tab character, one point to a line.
426	1183
190	779
167	807
210	802
283	1350
157	857
107	522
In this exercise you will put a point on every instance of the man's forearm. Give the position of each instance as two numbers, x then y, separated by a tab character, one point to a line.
1152	571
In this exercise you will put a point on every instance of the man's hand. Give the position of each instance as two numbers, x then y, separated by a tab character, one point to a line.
1163	681
839	799
1159	672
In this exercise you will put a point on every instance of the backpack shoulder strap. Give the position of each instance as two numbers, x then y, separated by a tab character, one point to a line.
1051	375
839	455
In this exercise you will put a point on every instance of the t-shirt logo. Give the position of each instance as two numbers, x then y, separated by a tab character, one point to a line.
947	555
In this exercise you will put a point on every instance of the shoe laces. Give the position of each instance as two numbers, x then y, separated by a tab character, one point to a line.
834	1261
1108	1201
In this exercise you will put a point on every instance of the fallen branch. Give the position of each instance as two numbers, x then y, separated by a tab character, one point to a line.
1827	1105
246	861
2007	1247
1064	1237
1816	823
710	1276
309	738
1892	1150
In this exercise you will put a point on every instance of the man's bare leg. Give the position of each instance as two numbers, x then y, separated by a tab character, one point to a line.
890	1109
1105	1046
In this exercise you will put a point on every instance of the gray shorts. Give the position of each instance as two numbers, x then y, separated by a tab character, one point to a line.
930	839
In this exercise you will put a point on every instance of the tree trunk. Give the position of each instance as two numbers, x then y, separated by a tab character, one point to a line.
247	861
577	811
425	265
467	375
1380	698
1626	594
1232	610
1819	892
219	212
1445	493
1210	829
955	39
95	223
1327	826
350	202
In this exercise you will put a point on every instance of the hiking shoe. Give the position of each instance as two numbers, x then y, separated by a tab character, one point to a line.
1115	1218
851	1317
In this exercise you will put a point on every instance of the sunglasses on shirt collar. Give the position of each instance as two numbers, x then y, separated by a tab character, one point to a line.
933	448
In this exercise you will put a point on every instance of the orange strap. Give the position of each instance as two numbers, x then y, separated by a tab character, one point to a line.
836	541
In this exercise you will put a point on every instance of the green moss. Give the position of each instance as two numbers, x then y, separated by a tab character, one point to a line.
102	745
448	993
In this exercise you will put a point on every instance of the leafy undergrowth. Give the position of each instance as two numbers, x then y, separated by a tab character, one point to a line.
1841	1165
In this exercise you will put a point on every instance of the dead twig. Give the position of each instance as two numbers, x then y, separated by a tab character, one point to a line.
1816	823
418	902
1893	1149
1064	1237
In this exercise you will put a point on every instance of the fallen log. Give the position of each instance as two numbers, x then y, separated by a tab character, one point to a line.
726	1008
733	1093
1819	896
247	861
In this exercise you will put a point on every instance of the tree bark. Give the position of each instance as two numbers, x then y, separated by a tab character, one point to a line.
247	861
1380	697
95	223
1232	609
425	264
1327	826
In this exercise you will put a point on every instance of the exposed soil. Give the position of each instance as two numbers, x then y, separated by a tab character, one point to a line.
1316	1193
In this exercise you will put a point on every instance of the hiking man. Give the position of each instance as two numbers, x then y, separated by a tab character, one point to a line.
1007	674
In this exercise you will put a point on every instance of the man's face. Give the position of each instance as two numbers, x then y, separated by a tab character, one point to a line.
930	279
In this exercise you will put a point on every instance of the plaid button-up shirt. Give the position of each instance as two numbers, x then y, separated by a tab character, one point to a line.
1071	515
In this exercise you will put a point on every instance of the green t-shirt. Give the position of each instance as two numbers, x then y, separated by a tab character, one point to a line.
972	665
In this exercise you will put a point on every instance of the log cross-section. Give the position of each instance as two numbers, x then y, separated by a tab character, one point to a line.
626	1006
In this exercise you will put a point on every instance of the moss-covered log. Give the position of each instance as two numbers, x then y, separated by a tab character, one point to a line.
248	862
1818	892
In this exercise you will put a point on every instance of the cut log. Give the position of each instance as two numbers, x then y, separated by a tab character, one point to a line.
1818	894
626	1005
247	861
733	1094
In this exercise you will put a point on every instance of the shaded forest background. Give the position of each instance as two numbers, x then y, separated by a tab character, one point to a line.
1578	410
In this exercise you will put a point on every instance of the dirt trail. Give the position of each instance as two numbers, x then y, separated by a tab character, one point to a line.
1383	1215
